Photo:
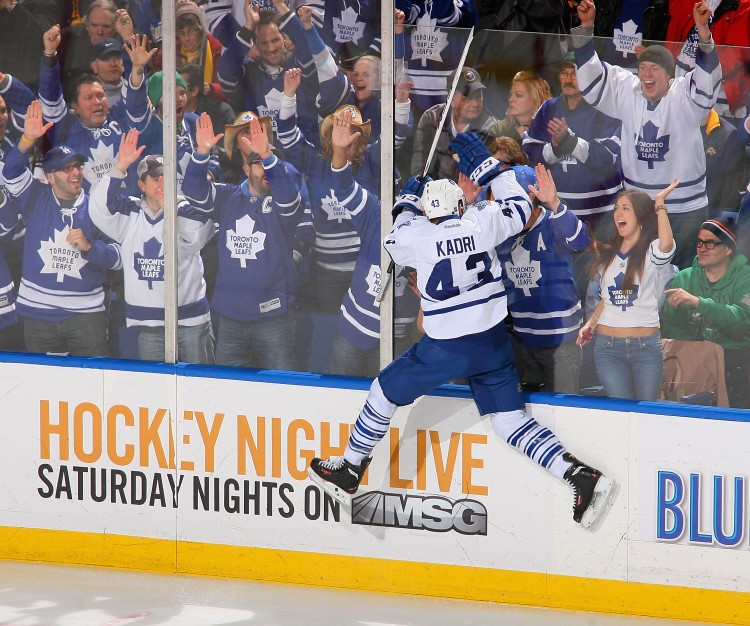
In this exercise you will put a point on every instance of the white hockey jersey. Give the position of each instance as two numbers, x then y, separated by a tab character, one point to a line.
458	271
638	306
140	234
661	139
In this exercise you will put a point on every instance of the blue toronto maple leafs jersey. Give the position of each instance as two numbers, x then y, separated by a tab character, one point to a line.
139	231
542	297
661	140
639	305
432	52
458	271
359	320
99	145
336	240
588	179
355	21
9	222
257	276
57	280
251	86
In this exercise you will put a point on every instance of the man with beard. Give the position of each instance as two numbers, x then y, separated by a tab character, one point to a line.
257	280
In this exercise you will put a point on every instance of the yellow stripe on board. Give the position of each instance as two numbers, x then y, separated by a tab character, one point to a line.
367	574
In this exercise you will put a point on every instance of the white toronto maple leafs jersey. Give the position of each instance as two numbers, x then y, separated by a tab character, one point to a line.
139	232
638	306
459	273
58	280
661	140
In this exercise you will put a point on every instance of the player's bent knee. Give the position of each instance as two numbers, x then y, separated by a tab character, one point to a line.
507	423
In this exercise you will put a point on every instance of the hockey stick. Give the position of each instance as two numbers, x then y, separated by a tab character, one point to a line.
454	85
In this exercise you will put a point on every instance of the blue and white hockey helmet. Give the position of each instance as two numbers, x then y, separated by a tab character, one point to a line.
441	198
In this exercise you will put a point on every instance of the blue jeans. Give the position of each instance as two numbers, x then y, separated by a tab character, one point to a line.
195	344
82	334
264	344
349	360
630	367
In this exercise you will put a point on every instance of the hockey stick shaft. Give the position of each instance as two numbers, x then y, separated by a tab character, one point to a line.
447	108
438	131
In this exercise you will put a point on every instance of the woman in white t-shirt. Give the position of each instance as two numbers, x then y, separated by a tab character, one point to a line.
633	269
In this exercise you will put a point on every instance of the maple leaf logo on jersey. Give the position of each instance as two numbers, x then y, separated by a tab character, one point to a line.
333	208
427	41
99	162
651	146
243	243
348	28
271	106
628	38
60	258
149	266
522	271
621	298
373	281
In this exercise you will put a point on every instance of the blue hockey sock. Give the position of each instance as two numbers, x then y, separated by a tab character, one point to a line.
371	425
538	443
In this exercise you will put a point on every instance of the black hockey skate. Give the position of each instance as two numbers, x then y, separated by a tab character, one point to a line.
338	477
591	491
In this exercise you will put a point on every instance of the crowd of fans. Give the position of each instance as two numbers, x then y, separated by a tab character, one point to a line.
633	129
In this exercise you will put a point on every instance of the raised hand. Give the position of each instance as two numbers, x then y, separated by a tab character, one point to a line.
257	140
342	135
129	151
252	15
51	40
403	87
292	81
34	126
204	134
305	15
124	25
662	195
545	191
138	51
399	17
701	13
469	187
586	13
281	7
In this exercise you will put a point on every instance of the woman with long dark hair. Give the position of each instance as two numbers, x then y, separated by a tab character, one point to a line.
633	268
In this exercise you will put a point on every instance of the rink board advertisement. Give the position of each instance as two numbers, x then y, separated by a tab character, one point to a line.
207	475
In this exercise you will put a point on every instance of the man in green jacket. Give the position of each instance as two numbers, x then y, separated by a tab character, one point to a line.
710	301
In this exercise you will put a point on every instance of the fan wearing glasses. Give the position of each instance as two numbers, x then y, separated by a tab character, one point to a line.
710	301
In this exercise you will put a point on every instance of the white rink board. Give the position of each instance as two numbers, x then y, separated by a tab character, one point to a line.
256	437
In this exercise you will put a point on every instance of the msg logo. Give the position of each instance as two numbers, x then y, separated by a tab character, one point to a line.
433	513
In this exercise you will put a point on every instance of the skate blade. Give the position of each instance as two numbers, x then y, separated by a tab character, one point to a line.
604	493
331	489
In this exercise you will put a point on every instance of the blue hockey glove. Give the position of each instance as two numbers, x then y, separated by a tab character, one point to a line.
410	195
474	158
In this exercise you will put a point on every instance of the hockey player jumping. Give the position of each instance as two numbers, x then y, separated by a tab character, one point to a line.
452	248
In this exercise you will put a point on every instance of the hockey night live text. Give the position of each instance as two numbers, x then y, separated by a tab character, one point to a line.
141	438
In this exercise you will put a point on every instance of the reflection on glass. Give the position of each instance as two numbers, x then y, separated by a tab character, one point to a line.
276	267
